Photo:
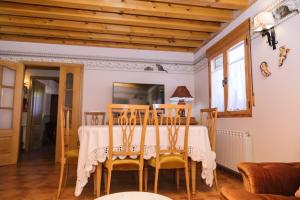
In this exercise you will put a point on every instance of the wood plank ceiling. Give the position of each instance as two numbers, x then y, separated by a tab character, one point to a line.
171	25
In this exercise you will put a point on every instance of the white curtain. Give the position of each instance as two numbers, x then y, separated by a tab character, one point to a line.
237	99
217	89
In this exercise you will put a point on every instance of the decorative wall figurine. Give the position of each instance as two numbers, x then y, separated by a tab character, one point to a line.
285	9
161	68
264	68
148	69
283	54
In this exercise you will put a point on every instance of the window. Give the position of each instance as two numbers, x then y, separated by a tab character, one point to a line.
230	74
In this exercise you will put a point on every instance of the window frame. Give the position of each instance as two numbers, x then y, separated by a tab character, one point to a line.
241	33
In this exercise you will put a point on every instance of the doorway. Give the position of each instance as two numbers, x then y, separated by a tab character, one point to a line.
40	108
13	103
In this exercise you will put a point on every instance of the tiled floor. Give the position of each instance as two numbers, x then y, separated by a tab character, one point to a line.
36	178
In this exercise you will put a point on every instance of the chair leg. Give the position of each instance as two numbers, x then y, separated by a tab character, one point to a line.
156	179
216	181
187	180
141	180
193	176
66	173
108	181
98	177
177	179
146	178
62	167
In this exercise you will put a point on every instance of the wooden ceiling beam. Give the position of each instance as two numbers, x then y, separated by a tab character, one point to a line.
226	4
97	36
106	18
100	28
10	37
146	8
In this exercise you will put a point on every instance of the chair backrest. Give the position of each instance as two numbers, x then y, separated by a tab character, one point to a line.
152	114
208	118
141	115
94	118
127	119
64	130
172	120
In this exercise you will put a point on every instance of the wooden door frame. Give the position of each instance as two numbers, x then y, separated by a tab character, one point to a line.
51	65
29	111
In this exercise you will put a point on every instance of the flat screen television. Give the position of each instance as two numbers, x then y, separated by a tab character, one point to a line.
138	93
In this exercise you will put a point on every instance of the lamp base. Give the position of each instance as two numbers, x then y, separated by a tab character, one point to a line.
181	111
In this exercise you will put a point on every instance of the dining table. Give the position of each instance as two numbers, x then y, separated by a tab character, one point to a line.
94	142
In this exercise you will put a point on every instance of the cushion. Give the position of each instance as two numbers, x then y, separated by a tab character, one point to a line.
297	194
72	153
168	161
124	164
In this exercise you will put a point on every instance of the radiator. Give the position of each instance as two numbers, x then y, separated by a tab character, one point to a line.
233	147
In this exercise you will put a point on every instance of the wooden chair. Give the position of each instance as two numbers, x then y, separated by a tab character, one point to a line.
141	115
158	114
94	118
66	152
127	121
208	118
173	157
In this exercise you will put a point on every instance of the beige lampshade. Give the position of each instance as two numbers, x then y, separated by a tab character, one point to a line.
262	21
181	94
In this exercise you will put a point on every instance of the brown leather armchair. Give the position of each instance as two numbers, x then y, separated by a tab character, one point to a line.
266	181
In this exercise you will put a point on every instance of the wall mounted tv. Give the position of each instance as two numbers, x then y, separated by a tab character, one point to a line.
138	93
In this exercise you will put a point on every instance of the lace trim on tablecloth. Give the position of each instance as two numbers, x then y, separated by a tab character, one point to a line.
100	155
84	172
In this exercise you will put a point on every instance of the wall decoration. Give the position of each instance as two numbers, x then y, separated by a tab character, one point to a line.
281	10
284	9
106	65
161	68
148	69
282	55
264	68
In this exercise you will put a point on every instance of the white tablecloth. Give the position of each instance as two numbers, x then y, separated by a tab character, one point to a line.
94	144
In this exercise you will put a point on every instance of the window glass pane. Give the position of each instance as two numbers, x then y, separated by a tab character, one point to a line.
237	99
69	98
69	94
6	118
8	78
7	97
69	81
217	89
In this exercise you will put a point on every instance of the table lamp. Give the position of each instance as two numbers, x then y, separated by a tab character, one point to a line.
181	95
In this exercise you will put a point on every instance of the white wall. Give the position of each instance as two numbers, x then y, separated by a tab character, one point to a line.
104	53
201	91
97	87
276	116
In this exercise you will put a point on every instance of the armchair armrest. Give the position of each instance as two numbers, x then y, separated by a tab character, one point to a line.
271	178
239	194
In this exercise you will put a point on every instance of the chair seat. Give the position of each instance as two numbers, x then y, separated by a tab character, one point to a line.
124	164
72	153
168	161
